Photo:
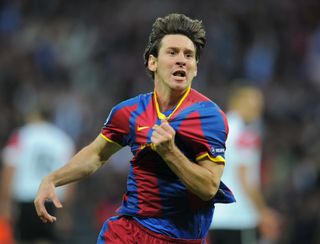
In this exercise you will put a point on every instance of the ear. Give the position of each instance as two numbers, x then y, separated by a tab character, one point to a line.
152	63
195	72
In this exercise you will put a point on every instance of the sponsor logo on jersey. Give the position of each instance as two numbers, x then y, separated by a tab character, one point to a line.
140	128
217	150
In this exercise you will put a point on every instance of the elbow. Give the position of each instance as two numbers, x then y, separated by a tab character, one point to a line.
210	193
91	169
207	197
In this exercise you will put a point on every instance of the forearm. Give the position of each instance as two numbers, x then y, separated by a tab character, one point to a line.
256	197
83	164
252	190
199	180
6	179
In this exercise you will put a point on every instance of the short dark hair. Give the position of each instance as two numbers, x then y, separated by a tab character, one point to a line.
174	24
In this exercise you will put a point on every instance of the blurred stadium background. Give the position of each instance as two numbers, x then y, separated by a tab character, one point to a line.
86	56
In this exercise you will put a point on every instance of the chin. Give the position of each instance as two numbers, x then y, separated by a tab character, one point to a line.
180	88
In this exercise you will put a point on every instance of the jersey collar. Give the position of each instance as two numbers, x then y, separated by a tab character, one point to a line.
163	116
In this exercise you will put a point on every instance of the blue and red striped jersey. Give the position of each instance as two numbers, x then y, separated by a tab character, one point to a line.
153	190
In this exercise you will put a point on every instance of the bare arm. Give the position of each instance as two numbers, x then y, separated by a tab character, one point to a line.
202	179
83	164
6	179
269	218
251	189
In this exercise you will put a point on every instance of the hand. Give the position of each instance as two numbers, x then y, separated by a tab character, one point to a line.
46	192
163	137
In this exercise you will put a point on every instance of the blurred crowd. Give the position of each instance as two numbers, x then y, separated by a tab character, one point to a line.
86	56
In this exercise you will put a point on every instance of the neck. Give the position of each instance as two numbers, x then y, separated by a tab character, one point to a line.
168	99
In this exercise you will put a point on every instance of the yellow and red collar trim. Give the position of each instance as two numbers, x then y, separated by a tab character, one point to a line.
163	116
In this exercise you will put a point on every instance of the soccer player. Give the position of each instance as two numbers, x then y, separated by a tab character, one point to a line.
177	137
238	223
32	152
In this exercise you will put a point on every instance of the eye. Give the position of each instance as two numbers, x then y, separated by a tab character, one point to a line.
189	55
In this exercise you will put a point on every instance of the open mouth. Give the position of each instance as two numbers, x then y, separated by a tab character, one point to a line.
179	73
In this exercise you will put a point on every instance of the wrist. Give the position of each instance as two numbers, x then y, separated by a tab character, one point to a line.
169	152
49	179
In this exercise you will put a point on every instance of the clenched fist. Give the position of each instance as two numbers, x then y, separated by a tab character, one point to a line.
163	138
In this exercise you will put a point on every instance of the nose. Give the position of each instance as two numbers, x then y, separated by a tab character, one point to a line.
181	60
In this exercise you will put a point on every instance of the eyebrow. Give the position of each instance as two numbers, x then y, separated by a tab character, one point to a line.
178	48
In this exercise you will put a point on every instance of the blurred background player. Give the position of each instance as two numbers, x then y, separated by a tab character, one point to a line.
237	223
32	151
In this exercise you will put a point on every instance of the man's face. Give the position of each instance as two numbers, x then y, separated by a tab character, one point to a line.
176	65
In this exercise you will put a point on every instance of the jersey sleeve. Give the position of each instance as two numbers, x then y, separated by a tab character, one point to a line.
211	143
117	126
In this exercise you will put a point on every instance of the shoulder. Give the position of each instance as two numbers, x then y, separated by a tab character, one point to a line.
123	110
133	102
200	110
197	98
198	101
